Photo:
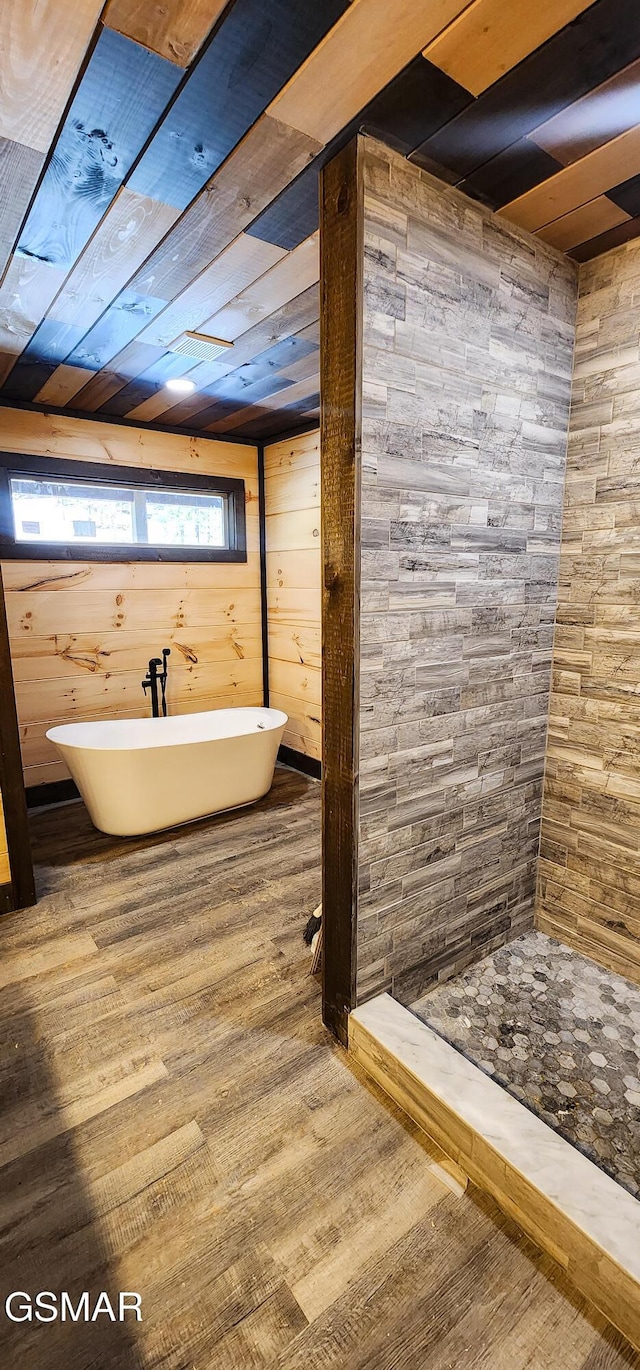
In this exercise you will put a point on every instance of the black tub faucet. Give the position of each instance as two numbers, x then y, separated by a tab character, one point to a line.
155	678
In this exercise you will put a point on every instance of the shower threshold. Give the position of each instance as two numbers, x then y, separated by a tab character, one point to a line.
567	1204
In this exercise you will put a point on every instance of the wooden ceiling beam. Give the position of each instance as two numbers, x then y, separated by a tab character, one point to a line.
36	36
578	183
103	385
251	55
596	217
122	94
61	387
269	157
20	167
176	29
244	261
191	222
255	384
240	264
302	390
72	302
43	44
367	47
222	251
28	288
122	242
489	38
608	110
123	90
286	322
292	275
284	281
604	38
606	242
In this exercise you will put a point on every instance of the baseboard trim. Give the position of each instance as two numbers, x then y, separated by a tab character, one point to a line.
55	792
309	765
6	899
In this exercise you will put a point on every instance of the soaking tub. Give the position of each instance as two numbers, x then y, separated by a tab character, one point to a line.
138	775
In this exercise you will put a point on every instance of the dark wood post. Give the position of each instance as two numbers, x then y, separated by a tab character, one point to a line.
21	892
341	271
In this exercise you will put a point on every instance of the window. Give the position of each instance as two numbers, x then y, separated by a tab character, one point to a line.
68	511
72	509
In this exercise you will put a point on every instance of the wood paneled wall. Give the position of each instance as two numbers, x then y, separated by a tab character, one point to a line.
82	632
467	349
292	505
589	870
5	869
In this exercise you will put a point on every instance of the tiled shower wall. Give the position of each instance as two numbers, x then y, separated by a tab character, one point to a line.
467	352
590	850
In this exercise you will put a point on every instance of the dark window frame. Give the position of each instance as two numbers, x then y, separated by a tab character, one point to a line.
18	465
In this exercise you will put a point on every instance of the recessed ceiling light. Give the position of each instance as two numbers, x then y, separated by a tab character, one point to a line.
181	385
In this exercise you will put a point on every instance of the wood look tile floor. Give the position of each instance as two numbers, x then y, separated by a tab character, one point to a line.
176	1122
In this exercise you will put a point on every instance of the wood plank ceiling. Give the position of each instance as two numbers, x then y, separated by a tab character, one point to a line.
159	167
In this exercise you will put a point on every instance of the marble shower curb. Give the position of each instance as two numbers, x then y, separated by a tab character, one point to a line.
570	1208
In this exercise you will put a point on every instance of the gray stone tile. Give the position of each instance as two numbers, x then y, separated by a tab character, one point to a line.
467	349
557	1031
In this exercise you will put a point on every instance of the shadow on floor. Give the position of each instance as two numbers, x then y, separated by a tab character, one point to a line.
49	1229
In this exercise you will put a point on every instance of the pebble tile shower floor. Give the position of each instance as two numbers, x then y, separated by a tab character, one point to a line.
561	1034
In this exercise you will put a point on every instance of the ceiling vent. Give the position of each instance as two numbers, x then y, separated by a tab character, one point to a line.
201	346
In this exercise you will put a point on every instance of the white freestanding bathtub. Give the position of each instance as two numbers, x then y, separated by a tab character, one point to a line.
138	775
